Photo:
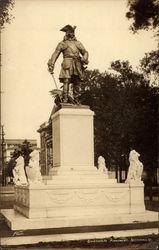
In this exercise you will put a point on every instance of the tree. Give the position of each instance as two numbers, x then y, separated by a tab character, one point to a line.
141	109
23	150
125	107
145	14
5	7
5	17
149	65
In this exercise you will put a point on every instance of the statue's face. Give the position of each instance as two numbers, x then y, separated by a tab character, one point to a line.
70	34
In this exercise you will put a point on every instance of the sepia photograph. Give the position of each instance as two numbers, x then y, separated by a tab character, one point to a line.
79	89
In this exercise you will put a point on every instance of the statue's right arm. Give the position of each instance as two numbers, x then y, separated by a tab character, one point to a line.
54	57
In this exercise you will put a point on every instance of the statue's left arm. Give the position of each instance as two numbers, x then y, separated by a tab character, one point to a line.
83	52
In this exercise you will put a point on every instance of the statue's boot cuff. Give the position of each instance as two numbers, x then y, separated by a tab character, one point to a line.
65	100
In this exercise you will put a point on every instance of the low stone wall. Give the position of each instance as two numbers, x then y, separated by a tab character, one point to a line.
79	199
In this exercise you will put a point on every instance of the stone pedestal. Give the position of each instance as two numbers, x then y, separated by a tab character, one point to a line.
73	142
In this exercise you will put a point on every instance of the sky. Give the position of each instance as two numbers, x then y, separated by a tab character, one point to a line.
31	38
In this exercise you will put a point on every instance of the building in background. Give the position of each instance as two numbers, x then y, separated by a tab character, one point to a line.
10	145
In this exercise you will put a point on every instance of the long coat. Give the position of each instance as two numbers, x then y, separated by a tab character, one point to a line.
72	65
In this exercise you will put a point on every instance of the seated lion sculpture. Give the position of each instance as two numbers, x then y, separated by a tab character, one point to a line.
19	173
135	168
102	166
33	169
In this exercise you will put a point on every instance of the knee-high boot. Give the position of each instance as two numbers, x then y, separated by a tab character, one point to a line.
65	91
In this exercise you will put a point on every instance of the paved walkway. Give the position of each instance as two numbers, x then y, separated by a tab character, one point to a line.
149	244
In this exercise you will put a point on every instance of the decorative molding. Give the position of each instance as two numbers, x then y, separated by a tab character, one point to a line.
115	197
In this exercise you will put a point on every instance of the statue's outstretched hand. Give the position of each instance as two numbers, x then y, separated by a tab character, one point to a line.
50	67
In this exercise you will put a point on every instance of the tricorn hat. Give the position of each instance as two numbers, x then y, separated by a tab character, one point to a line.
68	28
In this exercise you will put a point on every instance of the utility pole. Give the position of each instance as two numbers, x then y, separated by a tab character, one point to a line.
2	166
3	162
0	113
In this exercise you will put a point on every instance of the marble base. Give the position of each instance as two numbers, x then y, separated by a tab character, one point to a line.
60	229
17	221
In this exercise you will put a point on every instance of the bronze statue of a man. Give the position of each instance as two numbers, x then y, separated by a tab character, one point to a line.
75	57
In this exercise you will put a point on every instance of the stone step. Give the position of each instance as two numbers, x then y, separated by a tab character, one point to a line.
75	174
77	177
115	227
14	218
80	181
56	172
